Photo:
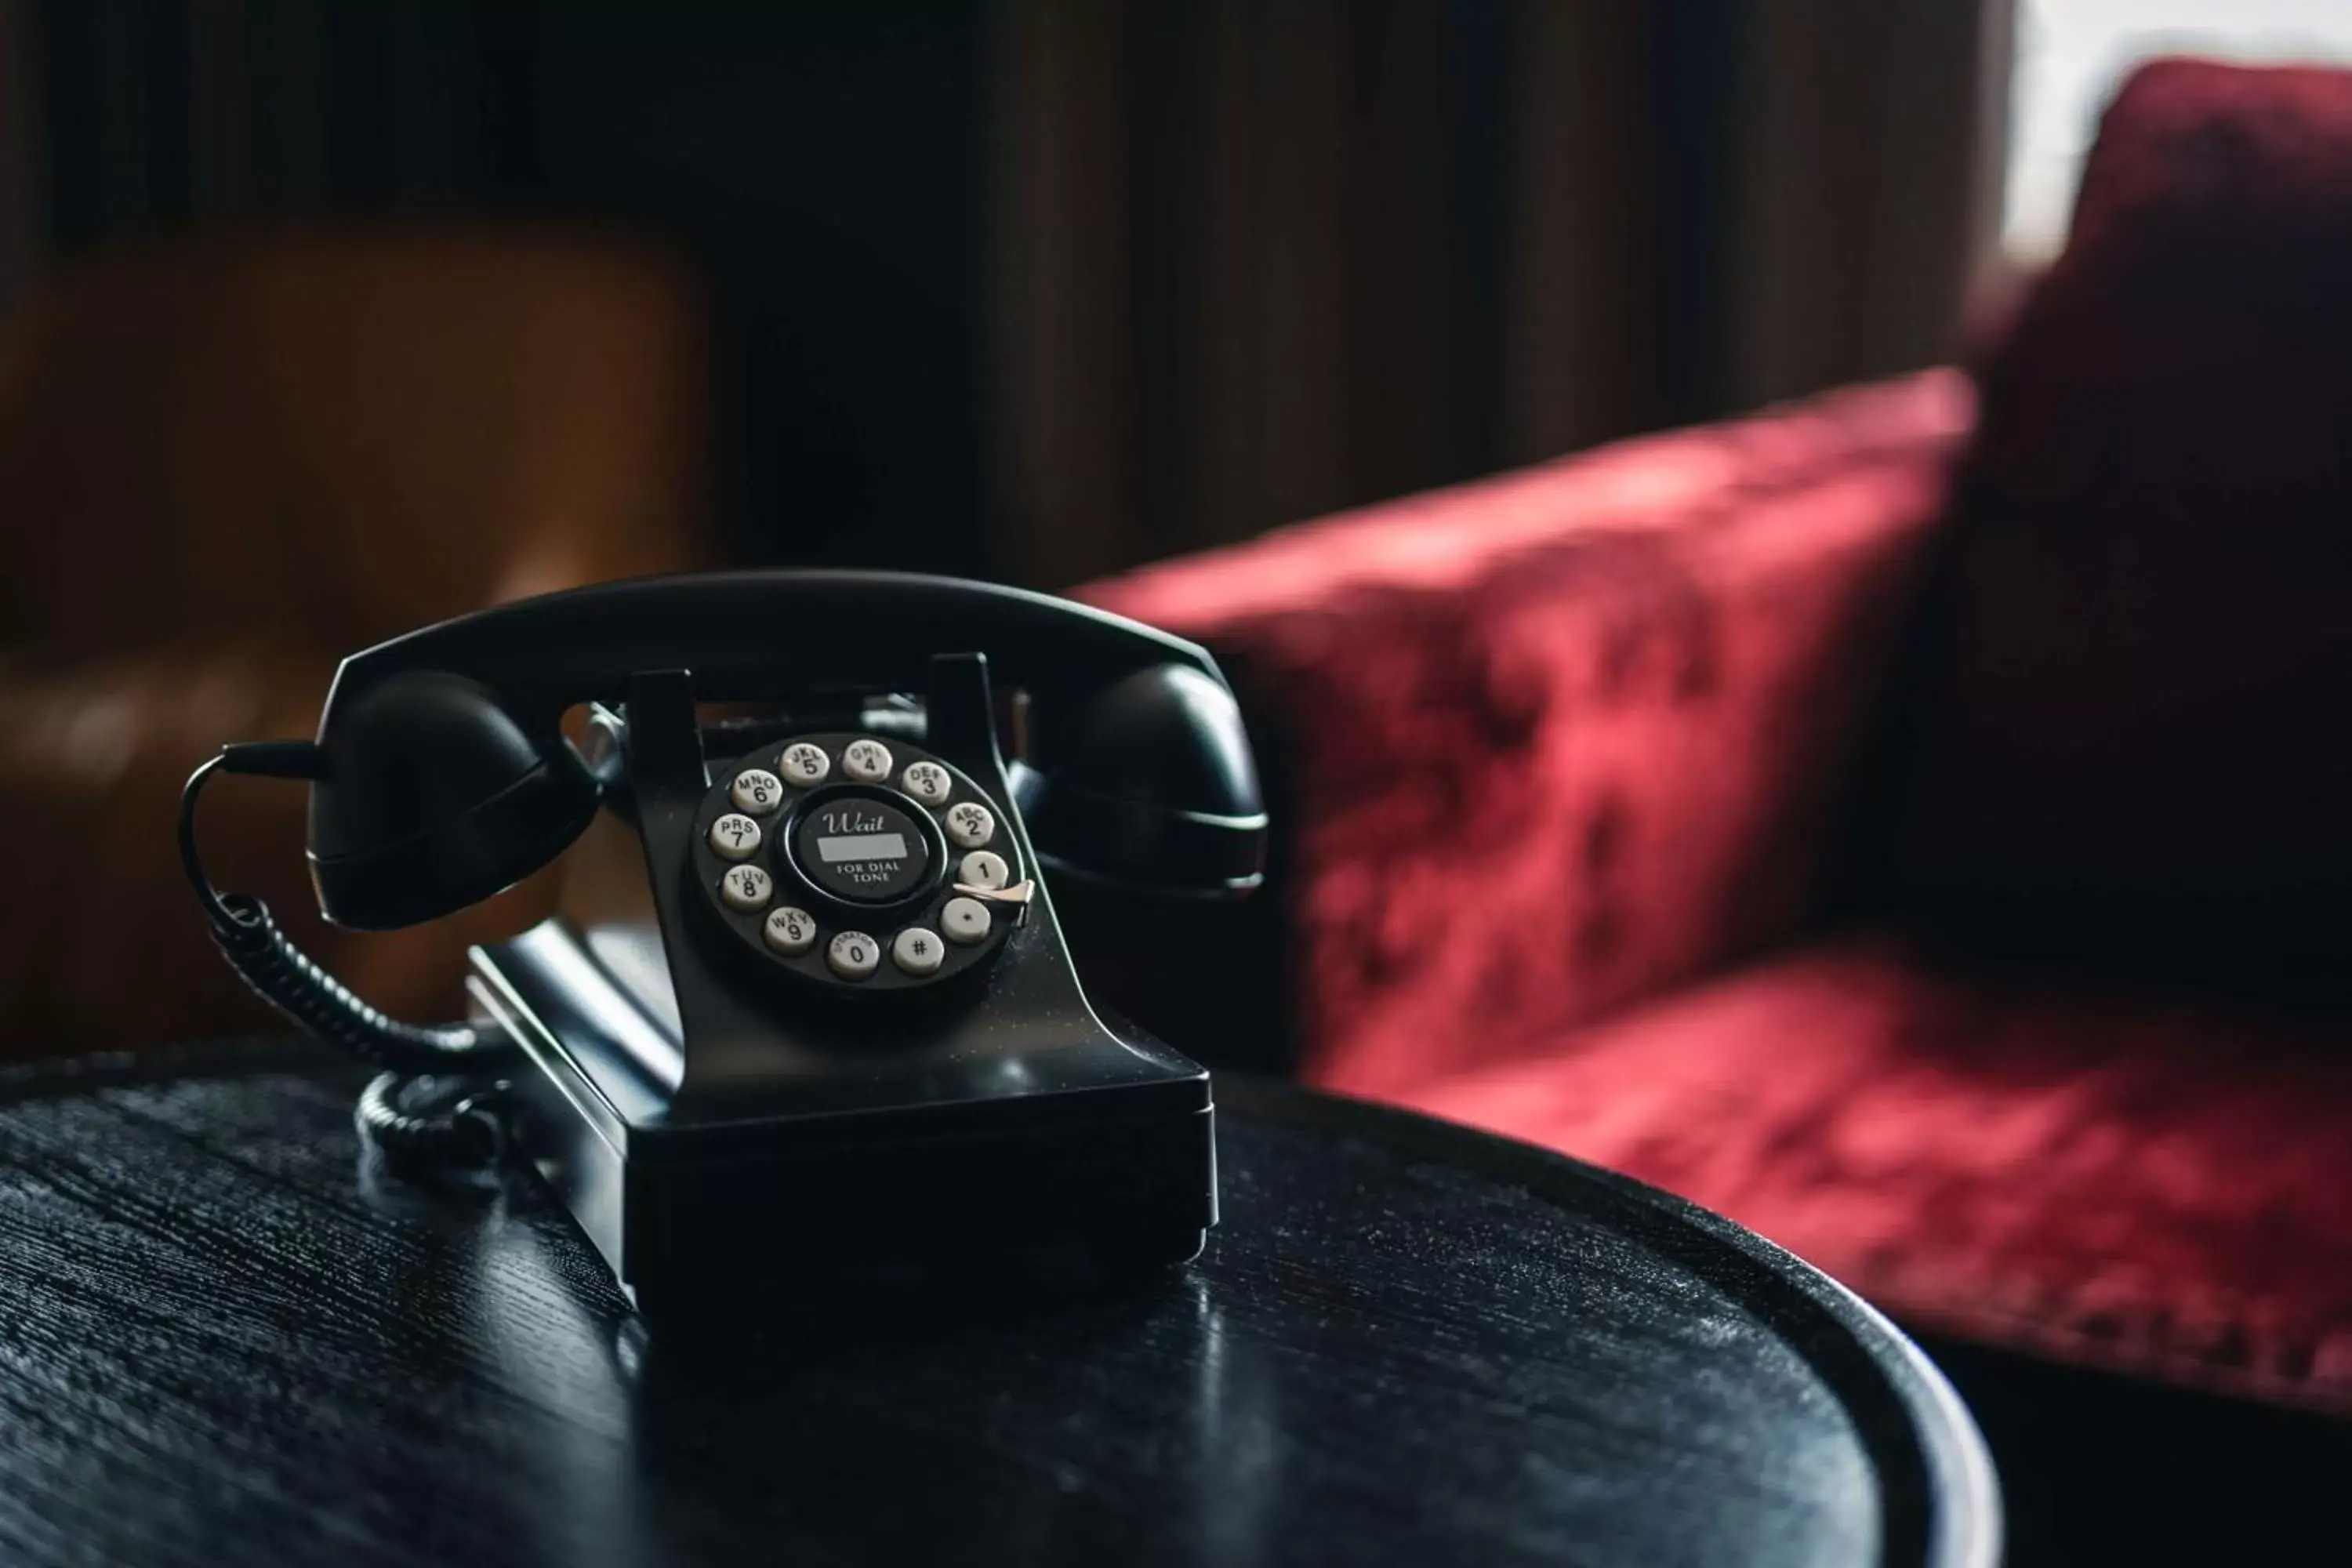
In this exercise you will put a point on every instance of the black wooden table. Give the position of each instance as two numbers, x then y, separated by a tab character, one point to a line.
229	1337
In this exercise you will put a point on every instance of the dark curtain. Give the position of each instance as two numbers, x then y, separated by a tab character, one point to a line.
1261	258
1039	288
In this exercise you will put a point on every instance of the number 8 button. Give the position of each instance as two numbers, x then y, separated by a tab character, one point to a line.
971	824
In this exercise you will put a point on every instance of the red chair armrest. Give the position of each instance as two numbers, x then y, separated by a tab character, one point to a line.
1558	740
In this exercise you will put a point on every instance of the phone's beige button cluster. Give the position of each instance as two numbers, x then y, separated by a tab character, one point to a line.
735	836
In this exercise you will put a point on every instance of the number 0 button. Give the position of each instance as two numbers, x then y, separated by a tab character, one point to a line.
746	887
790	930
971	824
735	836
756	791
853	955
869	761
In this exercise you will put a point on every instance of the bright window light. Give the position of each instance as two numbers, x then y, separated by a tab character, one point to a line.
2072	54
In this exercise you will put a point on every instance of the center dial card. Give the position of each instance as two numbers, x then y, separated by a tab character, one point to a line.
854	863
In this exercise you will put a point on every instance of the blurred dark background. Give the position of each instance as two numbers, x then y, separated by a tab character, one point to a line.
1036	290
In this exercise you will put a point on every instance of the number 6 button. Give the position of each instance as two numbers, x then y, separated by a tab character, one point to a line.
756	791
971	824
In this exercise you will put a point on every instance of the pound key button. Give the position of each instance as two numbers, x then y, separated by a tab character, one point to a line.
853	955
918	952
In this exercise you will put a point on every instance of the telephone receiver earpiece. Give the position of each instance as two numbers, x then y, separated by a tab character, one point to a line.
433	798
1150	786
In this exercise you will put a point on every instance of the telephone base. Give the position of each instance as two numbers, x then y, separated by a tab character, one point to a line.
1071	1151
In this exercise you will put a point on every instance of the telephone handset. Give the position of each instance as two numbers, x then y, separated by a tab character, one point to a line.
846	1032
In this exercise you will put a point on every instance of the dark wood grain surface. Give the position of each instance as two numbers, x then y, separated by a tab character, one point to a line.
229	1337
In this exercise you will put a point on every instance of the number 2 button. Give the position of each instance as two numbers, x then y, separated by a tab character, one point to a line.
971	824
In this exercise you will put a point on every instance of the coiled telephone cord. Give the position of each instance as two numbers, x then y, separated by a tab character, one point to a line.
440	1101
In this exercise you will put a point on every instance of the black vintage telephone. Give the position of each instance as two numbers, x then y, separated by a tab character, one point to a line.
848	1033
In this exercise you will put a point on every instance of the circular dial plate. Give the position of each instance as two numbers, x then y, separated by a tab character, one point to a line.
858	856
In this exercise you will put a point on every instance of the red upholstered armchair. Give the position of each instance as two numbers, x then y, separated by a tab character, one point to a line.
1918	822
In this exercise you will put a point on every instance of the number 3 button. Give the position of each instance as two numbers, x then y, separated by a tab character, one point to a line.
971	824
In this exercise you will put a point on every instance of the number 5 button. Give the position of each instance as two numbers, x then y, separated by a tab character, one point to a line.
971	824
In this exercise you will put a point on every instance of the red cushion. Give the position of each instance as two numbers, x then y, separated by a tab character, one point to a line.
2143	666
2164	1188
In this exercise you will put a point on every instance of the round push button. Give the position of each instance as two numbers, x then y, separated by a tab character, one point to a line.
966	920
735	836
756	791
789	930
918	952
746	887
928	783
804	764
868	761
971	824
853	955
984	869
867	851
